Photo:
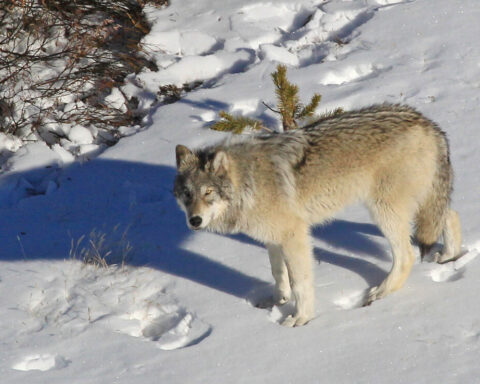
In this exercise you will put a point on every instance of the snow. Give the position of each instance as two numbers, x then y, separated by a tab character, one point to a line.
197	68
179	43
271	52
41	363
9	143
178	309
80	135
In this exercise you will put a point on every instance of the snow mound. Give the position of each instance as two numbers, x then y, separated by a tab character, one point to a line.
263	23
197	68
347	74
74	297
280	54
44	362
177	42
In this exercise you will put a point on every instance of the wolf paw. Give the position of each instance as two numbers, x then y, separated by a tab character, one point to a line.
295	320
442	258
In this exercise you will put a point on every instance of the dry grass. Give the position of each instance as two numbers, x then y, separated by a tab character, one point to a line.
102	250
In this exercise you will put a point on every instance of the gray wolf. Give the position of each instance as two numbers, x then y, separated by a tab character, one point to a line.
275	187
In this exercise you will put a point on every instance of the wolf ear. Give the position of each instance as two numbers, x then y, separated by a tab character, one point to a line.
220	163
185	157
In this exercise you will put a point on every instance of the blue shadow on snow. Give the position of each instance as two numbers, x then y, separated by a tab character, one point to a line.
40	220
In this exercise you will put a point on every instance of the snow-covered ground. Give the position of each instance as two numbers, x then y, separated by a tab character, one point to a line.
177	309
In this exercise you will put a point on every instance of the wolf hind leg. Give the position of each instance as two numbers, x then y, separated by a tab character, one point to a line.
430	222
452	239
395	225
433	221
434	216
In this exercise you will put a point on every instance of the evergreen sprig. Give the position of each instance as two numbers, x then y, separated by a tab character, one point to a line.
287	97
288	106
235	124
288	101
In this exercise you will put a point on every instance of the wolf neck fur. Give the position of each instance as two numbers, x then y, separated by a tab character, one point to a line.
235	217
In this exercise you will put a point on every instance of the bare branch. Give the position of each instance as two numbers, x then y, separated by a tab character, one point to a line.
59	61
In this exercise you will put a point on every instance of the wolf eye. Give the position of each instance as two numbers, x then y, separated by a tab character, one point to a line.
187	193
208	191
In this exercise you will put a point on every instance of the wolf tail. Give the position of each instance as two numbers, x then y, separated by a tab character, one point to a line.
435	217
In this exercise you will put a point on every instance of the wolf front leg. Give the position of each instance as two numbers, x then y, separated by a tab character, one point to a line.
280	274
282	292
297	253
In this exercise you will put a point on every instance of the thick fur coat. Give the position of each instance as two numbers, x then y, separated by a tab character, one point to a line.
275	187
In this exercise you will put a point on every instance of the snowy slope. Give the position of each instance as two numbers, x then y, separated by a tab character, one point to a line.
179	309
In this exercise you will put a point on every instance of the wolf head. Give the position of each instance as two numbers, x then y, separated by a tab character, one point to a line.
202	187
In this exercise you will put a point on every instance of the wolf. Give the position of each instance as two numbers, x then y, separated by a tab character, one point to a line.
274	187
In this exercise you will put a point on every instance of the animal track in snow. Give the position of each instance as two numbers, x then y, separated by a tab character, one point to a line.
75	297
453	270
352	300
327	30
44	362
263	23
347	74
391	2
446	273
170	326
262	297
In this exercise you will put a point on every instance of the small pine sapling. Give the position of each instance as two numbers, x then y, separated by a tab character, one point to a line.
288	101
289	107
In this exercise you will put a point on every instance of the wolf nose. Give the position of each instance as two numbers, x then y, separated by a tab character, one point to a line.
195	221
